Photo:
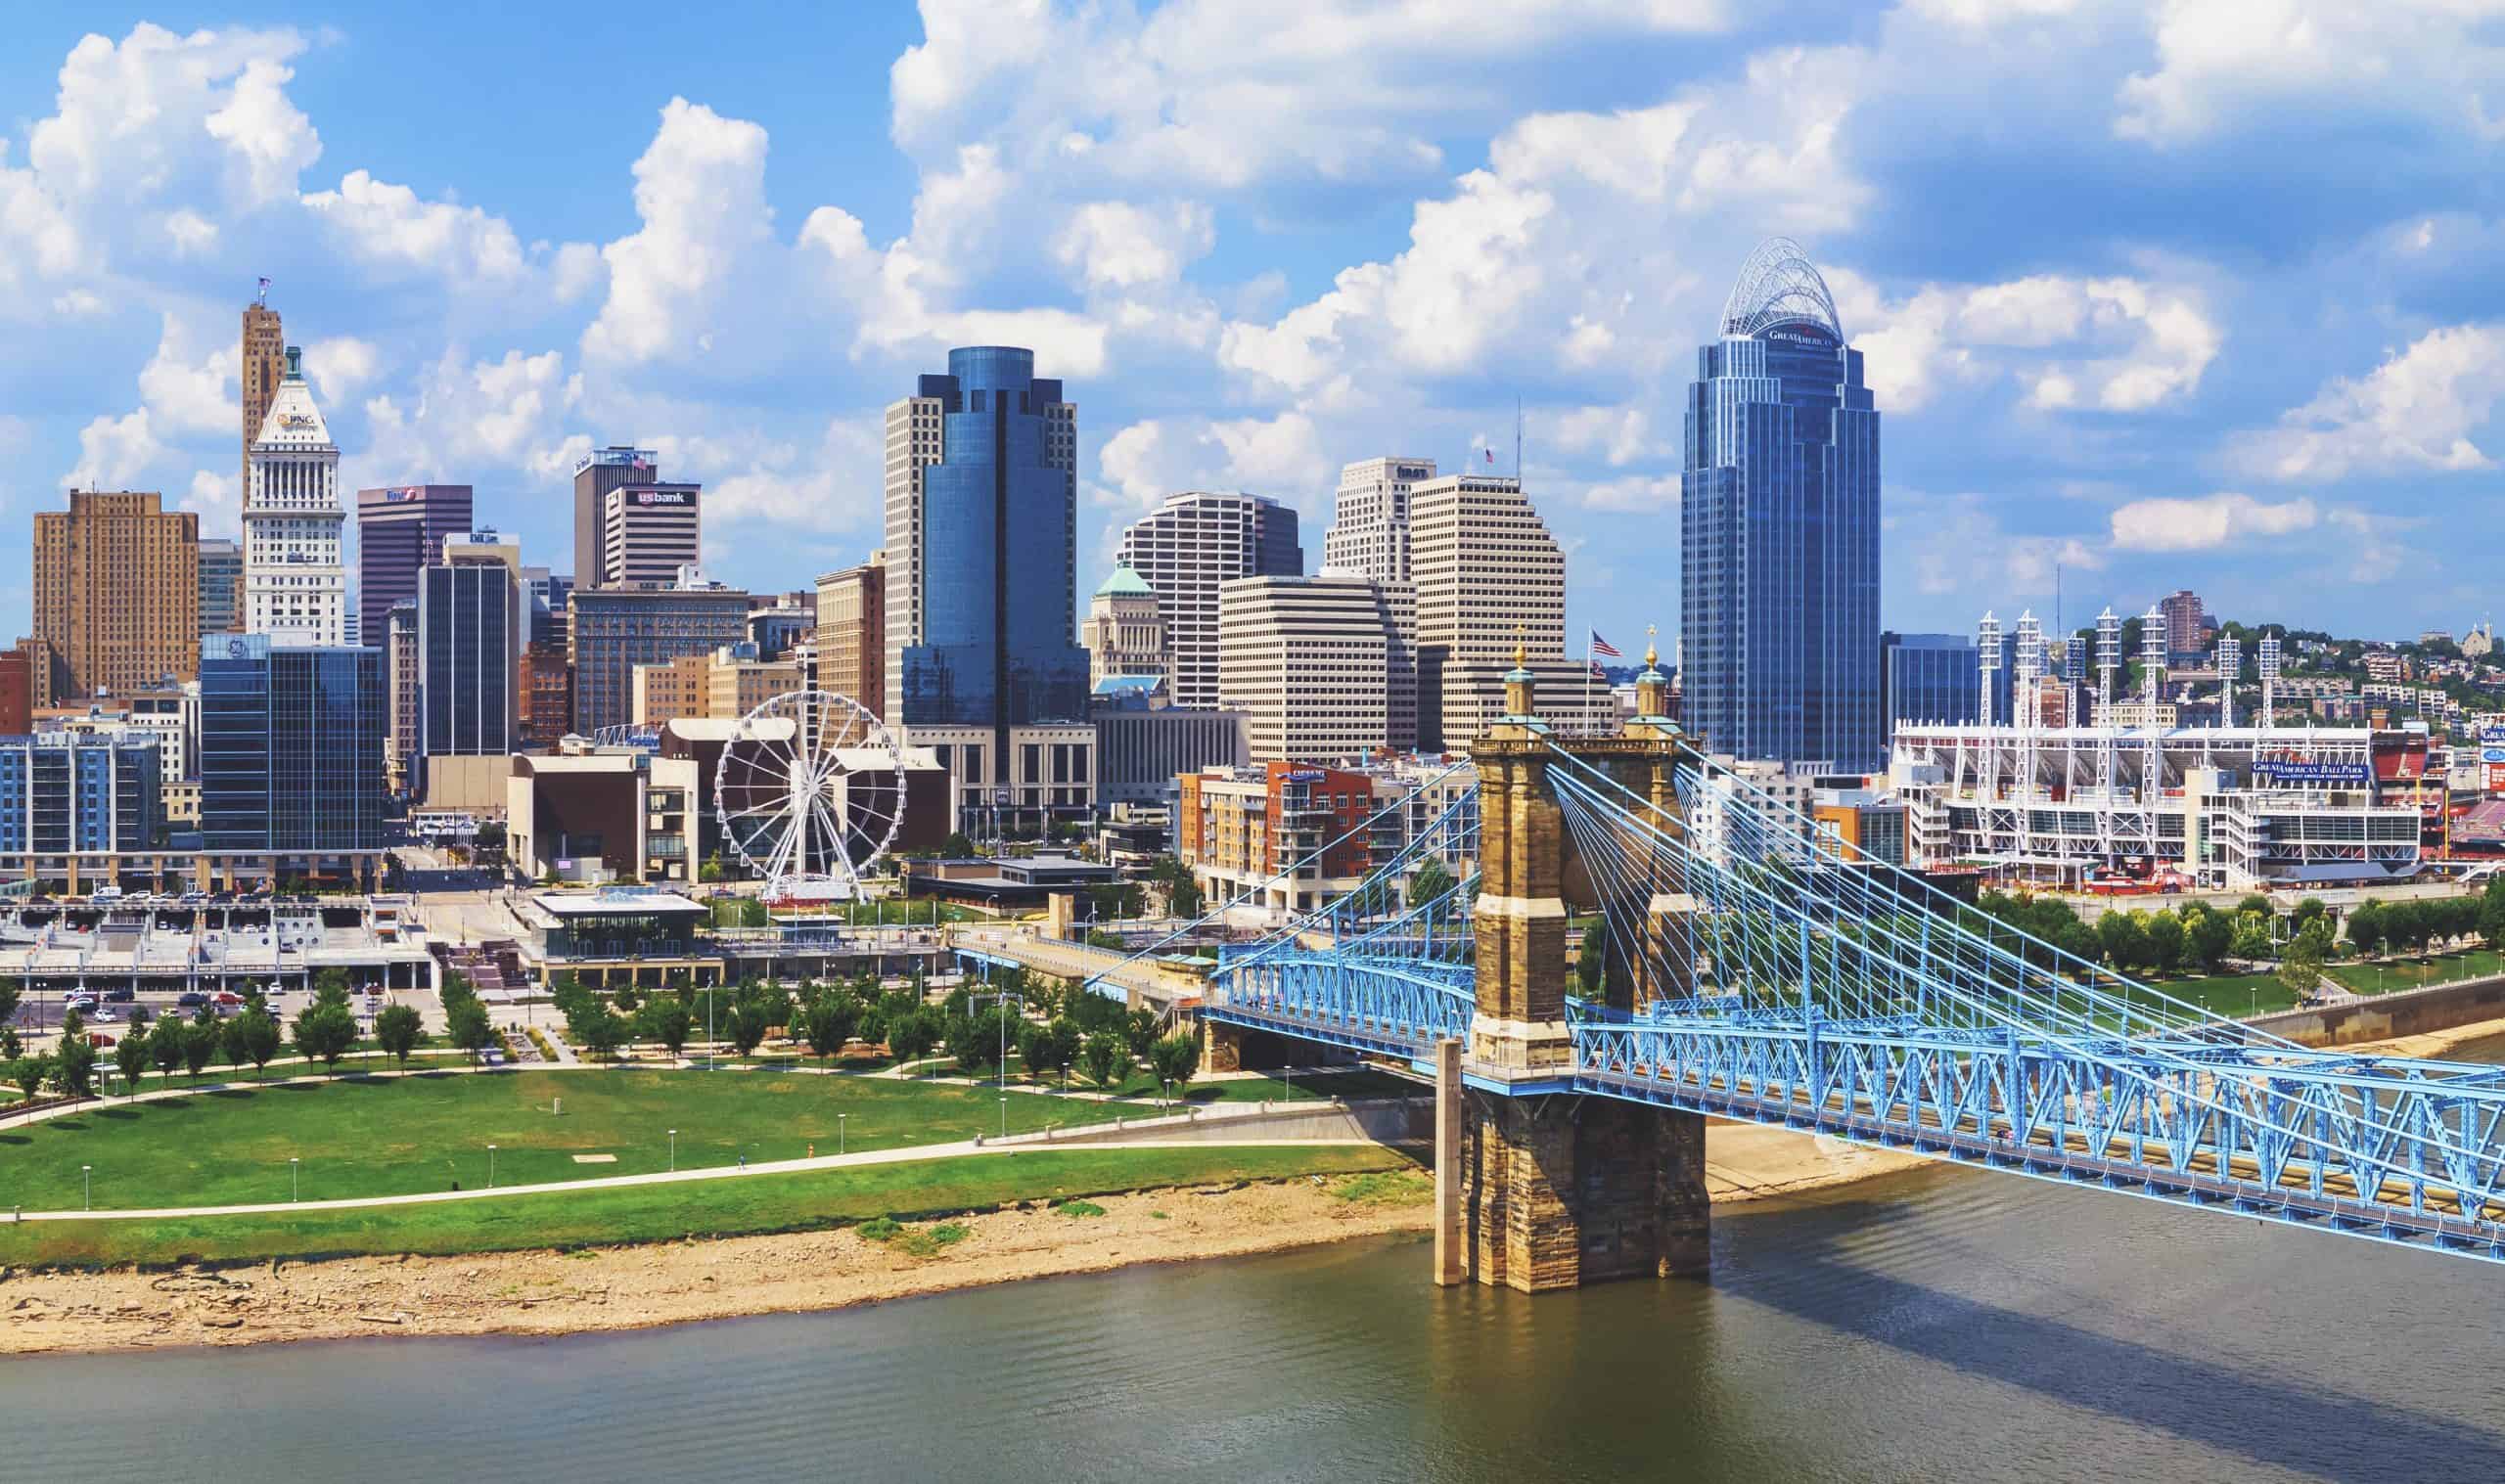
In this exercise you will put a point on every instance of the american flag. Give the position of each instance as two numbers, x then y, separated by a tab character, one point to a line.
1602	646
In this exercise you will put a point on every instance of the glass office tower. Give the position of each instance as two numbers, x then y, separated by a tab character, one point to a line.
1000	524
1779	539
291	748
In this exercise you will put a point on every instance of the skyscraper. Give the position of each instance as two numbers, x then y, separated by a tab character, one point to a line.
1370	518
1318	665
2187	626
264	349
615	630
291	754
594	476
294	587
116	596
852	633
469	651
1125	634
1186	546
221	586
1779	528
1492	584
647	532
989	536
399	532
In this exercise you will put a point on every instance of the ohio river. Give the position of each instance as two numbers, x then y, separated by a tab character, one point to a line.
1943	1324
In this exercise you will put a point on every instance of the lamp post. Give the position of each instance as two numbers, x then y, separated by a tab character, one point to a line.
492	1167
674	1151
1004	1115
291	1177
86	1187
838	1132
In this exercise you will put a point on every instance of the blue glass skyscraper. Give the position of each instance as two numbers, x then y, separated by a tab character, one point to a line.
999	544
1779	538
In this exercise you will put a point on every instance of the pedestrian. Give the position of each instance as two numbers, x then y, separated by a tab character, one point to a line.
743	1160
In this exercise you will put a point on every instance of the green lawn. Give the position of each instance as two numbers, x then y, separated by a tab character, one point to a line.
665	1213
2382	977
387	1137
2231	996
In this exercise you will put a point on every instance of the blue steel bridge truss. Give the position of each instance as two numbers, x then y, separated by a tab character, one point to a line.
1854	1000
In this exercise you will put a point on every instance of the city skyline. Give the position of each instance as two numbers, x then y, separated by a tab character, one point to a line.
2144	391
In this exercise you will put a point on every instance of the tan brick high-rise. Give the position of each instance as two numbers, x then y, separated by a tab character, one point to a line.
265	364
116	596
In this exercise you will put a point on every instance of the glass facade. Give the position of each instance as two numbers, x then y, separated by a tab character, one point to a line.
613	630
1000	538
1936	678
291	746
1779	539
467	618
64	794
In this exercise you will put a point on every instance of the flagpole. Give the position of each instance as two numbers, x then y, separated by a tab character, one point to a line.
1591	723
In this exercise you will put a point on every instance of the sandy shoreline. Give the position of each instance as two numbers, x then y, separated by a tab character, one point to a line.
633	1287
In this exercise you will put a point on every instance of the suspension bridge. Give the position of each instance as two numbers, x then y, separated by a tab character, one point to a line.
1750	967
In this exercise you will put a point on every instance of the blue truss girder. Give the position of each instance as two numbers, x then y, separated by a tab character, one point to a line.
1847	1001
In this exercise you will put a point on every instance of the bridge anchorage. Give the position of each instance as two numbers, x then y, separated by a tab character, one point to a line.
1749	965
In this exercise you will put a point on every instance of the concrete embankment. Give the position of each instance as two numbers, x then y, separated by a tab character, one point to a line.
2384	1018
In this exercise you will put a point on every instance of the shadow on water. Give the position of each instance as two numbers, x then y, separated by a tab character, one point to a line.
2263	1417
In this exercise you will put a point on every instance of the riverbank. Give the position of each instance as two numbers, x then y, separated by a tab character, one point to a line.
634	1287
541	1292
2435	1044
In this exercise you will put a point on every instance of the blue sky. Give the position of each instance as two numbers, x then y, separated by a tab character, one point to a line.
2156	294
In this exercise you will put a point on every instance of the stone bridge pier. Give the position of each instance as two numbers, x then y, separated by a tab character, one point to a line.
1538	1188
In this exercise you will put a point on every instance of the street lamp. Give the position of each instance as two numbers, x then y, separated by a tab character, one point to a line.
1004	1115
674	1151
838	1132
291	1177
492	1167
86	1187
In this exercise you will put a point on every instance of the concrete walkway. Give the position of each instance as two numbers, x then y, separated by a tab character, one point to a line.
1015	1143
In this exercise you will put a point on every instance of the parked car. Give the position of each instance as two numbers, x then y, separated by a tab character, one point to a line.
226	998
103	1040
121	994
102	1018
190	999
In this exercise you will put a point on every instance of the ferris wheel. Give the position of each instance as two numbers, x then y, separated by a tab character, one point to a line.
810	792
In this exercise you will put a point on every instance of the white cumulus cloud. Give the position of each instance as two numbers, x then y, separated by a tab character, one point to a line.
2206	522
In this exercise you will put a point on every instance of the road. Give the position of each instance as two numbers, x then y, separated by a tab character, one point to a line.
1158	984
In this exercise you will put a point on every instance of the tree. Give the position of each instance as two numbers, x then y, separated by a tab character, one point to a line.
1432	881
1048	1048
252	1036
2253	902
1139	1027
325	1034
165	1046
828	1021
1106	1059
73	1060
2366	926
624	999
666	1019
398	1031
603	1031
200	1039
1175	1059
130	1059
2164	933
331	987
470	1029
2207	936
1591	962
11	992
2308	912
912	1034
2123	939
2301	964
2252	940
956	848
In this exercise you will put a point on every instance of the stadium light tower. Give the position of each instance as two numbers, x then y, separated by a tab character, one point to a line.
1987	646
2109	659
2270	679
2230	666
2030	668
2151	659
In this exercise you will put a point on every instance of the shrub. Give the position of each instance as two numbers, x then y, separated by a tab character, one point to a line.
1079	1208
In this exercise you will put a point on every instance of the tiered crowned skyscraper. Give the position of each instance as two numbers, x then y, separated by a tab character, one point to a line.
1779	542
295	588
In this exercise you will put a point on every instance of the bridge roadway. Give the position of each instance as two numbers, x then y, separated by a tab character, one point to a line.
1148	981
1770	1075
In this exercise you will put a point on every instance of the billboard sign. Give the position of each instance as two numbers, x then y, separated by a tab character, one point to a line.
661	497
2296	773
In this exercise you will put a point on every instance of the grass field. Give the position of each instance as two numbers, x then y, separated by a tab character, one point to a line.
666	1213
393	1136
2374	978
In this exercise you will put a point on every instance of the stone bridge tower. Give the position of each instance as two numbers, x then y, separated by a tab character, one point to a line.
1540	1188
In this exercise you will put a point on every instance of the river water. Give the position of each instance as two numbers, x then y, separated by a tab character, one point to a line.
1939	1325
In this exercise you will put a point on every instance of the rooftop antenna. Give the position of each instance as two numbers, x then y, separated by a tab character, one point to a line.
1518	440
